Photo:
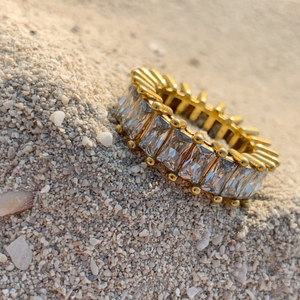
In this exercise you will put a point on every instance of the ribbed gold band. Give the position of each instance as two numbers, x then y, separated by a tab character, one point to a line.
165	98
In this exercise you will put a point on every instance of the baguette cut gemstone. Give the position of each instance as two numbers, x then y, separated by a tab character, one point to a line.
239	184
125	95
256	181
126	102
175	149
197	163
136	118
243	183
218	175
154	136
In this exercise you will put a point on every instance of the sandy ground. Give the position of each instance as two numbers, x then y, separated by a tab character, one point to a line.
139	232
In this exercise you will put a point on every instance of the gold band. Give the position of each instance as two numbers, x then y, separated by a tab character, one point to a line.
147	110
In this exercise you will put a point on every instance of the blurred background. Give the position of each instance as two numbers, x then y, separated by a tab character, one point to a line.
243	53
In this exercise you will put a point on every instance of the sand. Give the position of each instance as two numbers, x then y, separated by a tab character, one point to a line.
103	225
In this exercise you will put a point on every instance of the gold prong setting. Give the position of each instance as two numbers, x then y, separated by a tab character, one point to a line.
198	138
217	199
249	155
150	161
220	149
131	144
119	129
196	190
234	203
172	177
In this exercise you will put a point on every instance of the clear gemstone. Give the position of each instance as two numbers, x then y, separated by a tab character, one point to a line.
126	102
175	149
155	135
217	176
197	163
239	184
136	118
125	95
256	182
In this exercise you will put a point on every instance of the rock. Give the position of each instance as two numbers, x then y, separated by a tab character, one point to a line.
94	241
105	138
149	204
135	169
86	142
144	233
64	99
107	273
243	232
20	253
202	244
240	274
103	116
192	292
11	153
217	240
161	226
27	149
118	207
45	189
57	117
10	267
9	104
12	202
3	258
94	267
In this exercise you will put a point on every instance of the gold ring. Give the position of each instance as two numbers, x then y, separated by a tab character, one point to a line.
146	117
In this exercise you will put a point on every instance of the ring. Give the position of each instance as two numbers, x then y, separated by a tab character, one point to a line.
148	115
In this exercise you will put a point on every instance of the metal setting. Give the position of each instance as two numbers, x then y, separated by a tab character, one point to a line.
119	129
131	144
218	199
172	177
150	161
234	203
147	117
196	190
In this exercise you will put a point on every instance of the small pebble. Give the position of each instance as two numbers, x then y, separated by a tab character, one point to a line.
117	208
45	189
105	138
10	267
3	258
192	292
86	142
144	233
149	203
64	99
202	244
242	233
217	240
27	149
94	267
20	253
9	104
94	241
107	273
11	154
57	118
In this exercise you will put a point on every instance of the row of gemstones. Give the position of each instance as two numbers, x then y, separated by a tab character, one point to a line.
225	178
